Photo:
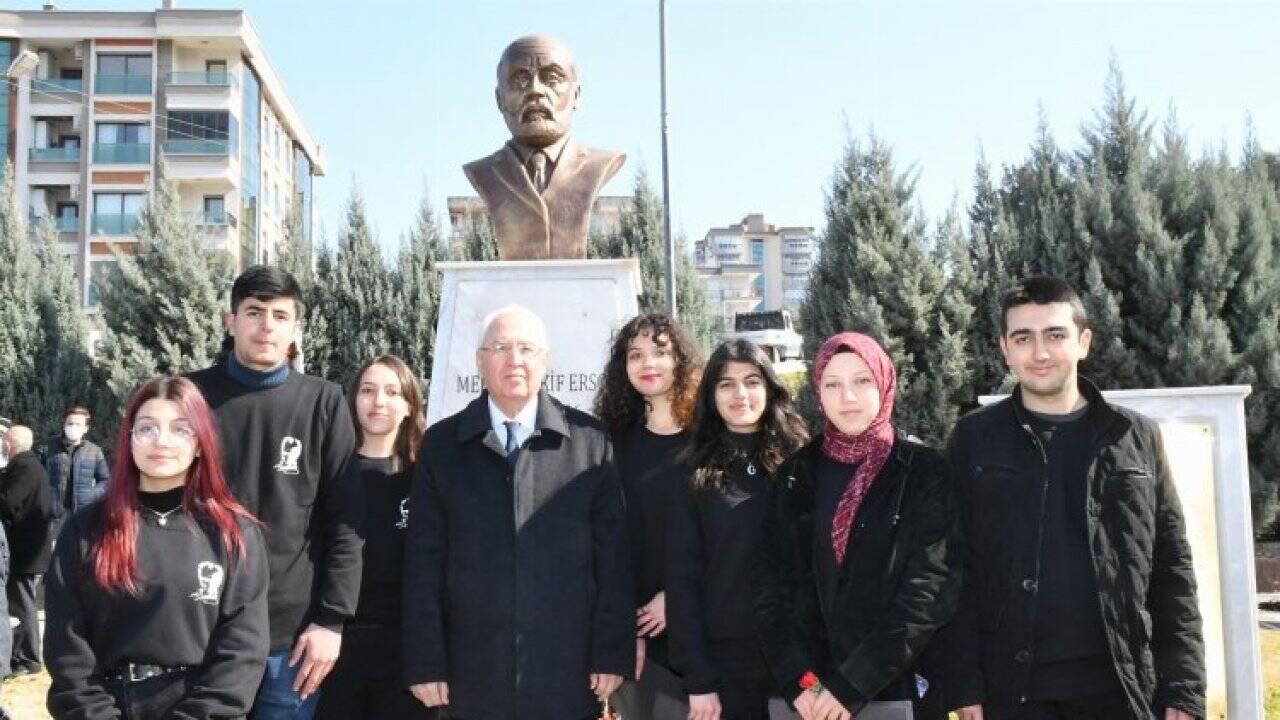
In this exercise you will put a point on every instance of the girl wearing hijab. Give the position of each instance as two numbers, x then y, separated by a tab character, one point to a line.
157	594
858	568
743	428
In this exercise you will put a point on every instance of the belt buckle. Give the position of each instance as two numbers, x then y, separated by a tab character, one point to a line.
138	673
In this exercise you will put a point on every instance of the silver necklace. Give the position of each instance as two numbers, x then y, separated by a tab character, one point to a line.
163	517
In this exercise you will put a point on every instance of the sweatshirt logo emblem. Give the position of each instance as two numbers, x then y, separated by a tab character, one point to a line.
290	451
404	515
209	575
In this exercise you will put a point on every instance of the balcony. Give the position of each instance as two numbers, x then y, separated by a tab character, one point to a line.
198	147
104	224
63	224
212	220
55	154
122	153
205	79
122	84
58	85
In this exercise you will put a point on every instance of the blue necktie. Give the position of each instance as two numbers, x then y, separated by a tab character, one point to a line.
513	447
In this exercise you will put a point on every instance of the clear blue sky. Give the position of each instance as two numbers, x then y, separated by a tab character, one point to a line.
400	94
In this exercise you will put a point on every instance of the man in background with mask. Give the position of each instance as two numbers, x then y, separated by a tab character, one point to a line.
78	470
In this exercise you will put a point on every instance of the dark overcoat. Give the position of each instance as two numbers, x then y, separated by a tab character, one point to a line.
517	582
25	512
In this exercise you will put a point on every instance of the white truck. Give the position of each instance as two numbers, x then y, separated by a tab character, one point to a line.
772	331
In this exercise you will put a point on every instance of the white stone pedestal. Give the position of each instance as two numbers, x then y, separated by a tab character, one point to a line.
582	302
1204	439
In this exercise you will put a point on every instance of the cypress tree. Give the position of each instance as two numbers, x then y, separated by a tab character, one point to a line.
640	235
21	333
64	376
477	240
357	302
162	305
992	249
1140	260
875	275
418	292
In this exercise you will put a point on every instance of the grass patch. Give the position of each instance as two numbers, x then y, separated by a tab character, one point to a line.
1271	674
24	697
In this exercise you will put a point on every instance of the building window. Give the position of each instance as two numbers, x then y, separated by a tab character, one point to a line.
215	209
122	65
117	213
201	131
757	285
757	252
123	75
123	134
216	71
99	272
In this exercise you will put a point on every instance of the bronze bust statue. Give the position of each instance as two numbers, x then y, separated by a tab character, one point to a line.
540	186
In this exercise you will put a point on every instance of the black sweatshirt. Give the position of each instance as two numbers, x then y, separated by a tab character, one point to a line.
651	478
195	608
713	541
386	519
288	452
1071	653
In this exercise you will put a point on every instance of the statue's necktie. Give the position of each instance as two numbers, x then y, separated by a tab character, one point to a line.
538	170
513	447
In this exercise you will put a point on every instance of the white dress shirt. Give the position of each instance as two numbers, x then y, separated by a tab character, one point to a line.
527	417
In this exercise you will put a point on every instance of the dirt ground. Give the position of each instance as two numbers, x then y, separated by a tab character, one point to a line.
24	697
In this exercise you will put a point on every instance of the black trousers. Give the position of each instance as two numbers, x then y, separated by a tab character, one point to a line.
150	699
21	593
367	682
1109	706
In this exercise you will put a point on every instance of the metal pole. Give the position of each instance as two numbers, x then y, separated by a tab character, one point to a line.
672	310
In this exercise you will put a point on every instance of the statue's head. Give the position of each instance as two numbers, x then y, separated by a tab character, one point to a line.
538	89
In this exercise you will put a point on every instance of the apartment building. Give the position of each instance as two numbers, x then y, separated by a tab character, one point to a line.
116	95
753	266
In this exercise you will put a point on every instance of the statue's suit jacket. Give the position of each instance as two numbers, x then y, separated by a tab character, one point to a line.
552	224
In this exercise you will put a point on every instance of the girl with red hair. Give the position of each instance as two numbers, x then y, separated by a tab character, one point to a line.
156	599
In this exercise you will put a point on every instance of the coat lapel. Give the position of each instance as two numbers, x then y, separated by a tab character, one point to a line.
511	173
537	473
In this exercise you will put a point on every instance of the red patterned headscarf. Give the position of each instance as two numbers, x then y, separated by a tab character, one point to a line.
868	449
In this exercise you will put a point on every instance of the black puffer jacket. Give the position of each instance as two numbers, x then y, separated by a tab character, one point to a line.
863	626
1141	560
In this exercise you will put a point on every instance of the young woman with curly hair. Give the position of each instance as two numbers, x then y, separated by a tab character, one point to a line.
646	399
156	599
385	402
744	427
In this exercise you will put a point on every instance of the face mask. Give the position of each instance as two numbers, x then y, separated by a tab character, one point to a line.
73	432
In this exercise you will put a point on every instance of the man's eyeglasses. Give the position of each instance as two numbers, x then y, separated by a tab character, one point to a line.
522	350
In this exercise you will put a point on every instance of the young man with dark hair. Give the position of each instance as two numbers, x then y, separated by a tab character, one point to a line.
78	471
1079	597
288	449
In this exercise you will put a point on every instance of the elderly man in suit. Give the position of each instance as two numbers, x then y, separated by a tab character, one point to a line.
518	599
540	186
25	512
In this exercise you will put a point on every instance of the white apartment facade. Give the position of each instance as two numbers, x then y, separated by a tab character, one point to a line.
753	266
117	94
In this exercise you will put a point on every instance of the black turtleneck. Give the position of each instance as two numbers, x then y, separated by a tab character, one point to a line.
163	501
712	543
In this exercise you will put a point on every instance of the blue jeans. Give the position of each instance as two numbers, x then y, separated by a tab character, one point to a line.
276	699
